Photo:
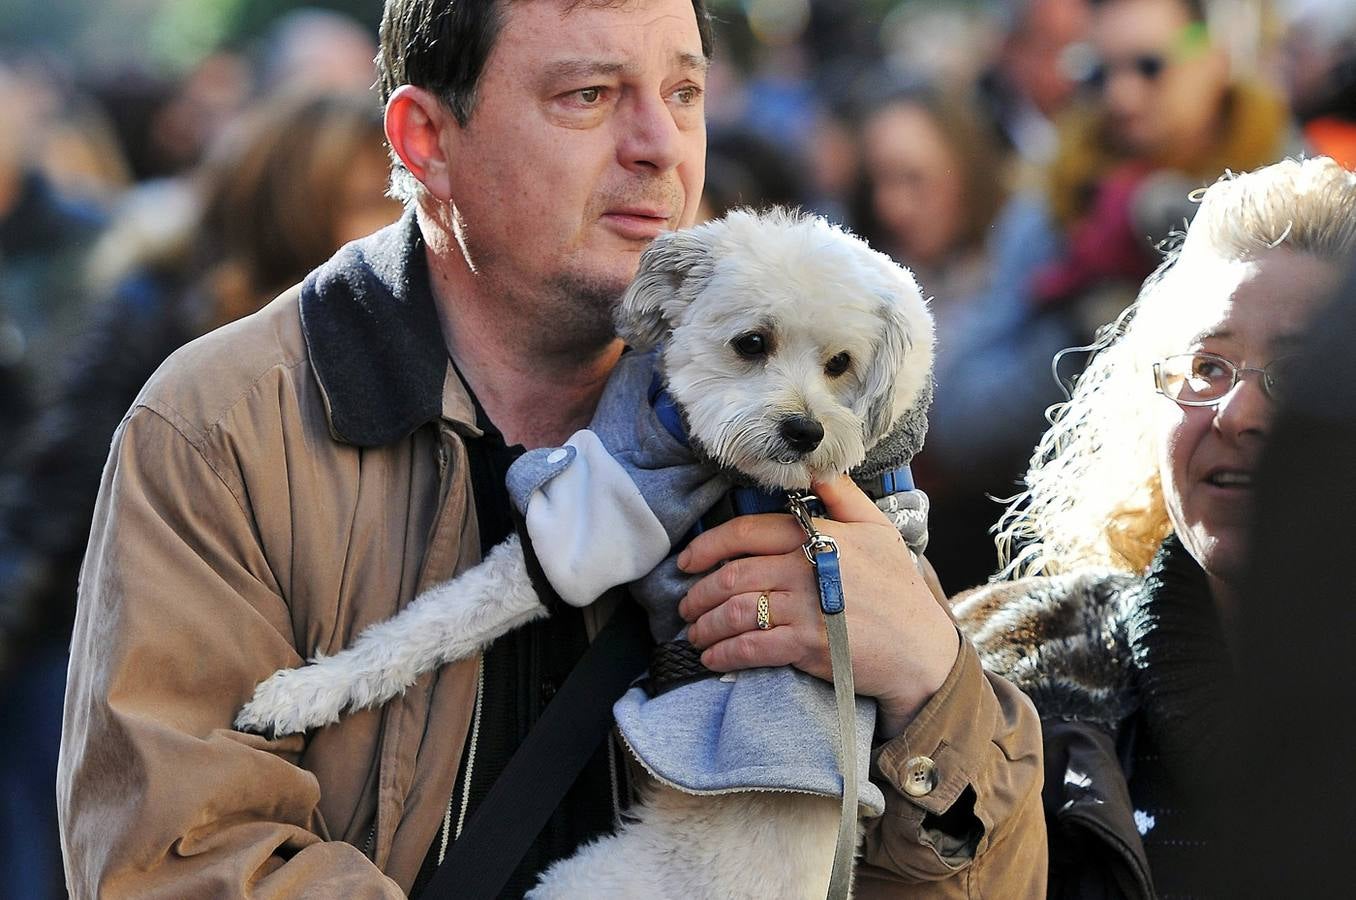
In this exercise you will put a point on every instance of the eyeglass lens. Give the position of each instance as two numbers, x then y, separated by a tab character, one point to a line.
1206	378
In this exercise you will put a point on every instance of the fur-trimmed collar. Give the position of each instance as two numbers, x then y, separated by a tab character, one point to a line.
1096	645
374	339
1061	639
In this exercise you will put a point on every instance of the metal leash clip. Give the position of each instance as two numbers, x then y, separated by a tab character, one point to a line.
822	552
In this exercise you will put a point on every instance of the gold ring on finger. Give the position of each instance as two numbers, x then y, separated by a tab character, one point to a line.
764	616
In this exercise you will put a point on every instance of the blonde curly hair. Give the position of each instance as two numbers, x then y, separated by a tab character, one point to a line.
1093	495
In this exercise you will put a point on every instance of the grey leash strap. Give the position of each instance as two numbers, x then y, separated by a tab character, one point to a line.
822	552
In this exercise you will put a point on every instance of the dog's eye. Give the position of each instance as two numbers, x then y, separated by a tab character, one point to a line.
837	365
750	346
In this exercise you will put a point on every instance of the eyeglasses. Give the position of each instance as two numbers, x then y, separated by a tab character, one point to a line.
1204	379
1189	42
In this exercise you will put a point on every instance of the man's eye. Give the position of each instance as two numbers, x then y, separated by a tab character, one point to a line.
687	95
750	346
589	95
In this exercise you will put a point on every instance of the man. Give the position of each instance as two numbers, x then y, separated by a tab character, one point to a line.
1165	116
290	479
1030	83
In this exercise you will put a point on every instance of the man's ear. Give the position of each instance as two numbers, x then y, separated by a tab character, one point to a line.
416	121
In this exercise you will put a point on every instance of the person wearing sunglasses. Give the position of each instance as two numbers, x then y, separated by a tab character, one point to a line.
1128	551
1161	114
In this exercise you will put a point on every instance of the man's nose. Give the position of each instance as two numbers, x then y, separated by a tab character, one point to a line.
1125	90
650	138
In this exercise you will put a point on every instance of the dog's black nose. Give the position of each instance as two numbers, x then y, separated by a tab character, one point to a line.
802	434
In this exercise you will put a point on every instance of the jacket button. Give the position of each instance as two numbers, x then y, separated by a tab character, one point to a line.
920	776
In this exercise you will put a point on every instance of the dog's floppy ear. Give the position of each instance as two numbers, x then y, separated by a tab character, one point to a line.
901	368
672	271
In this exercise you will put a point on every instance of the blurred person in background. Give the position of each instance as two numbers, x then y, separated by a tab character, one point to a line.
318	50
744	169
1032	80
935	180
283	189
1134	534
166	121
44	237
1165	116
69	137
1319	70
190	112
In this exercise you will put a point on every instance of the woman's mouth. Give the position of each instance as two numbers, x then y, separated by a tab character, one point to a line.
1230	478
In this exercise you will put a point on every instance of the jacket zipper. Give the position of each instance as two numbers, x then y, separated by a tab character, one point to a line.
447	833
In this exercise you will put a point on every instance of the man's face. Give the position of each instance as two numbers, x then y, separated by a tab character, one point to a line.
1161	85
1033	57
587	140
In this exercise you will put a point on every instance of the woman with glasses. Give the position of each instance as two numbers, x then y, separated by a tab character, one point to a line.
1126	554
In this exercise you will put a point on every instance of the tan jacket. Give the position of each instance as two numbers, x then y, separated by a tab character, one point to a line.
279	485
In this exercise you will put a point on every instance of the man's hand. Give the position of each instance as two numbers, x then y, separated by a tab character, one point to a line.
903	642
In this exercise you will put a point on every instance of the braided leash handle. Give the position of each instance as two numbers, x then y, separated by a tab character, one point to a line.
822	552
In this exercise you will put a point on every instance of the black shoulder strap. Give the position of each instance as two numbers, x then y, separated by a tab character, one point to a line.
571	727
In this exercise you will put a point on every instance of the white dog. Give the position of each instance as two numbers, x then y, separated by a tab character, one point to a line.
790	351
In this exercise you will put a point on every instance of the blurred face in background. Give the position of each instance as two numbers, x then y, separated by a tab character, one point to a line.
1158	80
1033	56
361	204
916	183
1319	39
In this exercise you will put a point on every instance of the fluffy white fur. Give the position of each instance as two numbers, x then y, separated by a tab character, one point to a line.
450	621
744	846
812	292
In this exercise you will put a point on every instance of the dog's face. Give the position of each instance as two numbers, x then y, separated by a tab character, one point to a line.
789	344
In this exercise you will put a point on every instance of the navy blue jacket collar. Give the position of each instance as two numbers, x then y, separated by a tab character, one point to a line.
374	339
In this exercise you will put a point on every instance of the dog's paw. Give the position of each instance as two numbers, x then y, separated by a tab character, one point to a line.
291	701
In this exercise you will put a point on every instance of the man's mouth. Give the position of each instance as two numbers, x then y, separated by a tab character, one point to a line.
640	212
639	223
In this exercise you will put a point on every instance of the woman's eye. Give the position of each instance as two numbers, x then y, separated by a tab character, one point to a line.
750	346
1210	369
837	365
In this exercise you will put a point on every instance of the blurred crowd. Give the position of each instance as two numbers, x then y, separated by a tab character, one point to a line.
1029	160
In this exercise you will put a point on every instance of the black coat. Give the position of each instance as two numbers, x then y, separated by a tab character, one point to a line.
1131	677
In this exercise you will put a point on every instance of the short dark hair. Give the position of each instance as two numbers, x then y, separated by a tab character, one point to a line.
442	46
